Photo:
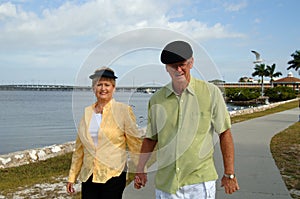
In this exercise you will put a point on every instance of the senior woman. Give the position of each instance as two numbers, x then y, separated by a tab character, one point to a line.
105	133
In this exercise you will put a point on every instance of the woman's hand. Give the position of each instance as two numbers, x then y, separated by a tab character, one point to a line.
70	188
140	180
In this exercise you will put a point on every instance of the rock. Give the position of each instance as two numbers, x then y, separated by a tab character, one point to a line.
5	160
32	155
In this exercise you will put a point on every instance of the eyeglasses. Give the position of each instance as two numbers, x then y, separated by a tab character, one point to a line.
180	65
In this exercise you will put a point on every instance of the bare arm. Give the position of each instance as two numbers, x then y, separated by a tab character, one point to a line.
227	149
147	148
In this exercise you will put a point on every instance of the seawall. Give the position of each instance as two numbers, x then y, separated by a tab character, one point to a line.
259	108
19	158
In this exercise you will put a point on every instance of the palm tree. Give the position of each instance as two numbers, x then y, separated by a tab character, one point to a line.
261	71
295	62
271	73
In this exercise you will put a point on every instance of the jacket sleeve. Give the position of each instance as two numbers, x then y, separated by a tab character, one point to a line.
77	158
133	140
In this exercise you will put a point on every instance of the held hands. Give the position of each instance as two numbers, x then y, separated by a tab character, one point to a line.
70	188
230	185
140	180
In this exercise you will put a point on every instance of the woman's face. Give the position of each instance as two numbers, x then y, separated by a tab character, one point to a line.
104	90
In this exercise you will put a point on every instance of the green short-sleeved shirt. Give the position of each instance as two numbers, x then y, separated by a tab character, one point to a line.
184	127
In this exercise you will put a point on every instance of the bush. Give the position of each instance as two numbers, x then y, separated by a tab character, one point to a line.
280	93
242	94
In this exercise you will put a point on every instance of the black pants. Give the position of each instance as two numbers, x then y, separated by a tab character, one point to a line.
112	189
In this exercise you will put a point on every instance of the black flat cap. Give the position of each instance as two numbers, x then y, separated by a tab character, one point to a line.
103	73
176	51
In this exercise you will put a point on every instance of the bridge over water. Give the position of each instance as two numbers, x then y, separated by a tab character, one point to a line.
45	87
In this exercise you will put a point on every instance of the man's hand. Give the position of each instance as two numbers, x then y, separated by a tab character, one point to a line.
230	185
140	180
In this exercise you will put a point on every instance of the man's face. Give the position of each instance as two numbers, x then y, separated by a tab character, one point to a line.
180	71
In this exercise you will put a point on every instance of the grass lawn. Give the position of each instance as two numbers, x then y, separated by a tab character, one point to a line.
12	179
284	147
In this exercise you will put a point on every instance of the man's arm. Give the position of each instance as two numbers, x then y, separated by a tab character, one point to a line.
227	149
146	151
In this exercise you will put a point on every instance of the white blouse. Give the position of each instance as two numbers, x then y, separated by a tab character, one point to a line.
94	126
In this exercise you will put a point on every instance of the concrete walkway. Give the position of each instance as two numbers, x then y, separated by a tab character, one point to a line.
258	176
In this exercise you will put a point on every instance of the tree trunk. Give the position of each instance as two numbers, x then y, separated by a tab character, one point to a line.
262	85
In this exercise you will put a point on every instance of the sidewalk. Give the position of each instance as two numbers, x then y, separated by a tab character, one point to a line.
258	176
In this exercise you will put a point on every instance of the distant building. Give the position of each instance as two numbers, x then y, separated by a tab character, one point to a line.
245	85
217	81
289	81
246	79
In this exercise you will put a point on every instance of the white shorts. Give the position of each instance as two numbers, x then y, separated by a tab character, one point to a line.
205	190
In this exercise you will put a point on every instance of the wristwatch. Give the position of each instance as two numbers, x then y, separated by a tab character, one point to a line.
230	176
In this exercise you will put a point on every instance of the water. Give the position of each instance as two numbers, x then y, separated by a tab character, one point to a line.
33	119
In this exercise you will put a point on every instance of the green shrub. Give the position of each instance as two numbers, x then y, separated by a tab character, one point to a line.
280	93
242	94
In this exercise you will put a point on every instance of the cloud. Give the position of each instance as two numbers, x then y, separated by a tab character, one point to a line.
7	10
58	37
71	25
202	31
231	7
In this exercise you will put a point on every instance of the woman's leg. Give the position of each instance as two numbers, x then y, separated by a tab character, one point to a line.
112	189
90	190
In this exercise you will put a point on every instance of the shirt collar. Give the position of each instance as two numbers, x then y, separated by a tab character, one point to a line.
190	88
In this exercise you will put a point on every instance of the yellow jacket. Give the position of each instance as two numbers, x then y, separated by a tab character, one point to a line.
117	135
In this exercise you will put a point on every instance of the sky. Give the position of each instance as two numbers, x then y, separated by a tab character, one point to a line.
63	42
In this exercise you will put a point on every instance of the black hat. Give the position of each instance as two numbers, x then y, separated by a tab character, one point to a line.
103	73
176	51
